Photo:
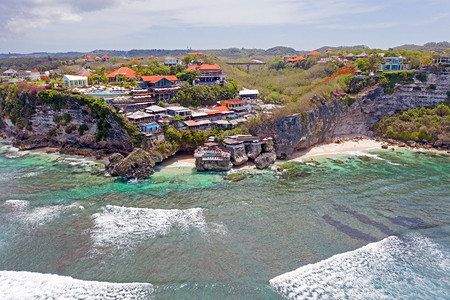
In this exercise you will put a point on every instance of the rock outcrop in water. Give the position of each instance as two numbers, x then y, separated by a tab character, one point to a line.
265	159
335	119
138	164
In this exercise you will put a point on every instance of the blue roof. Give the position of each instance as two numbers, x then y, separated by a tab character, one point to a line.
232	116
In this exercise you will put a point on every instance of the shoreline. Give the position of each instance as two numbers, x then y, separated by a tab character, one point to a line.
347	145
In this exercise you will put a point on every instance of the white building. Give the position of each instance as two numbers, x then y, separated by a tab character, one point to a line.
172	61
179	111
78	81
10	72
248	94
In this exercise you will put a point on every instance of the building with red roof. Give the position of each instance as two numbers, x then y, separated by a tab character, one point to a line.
312	53
161	87
328	50
105	57
209	74
294	60
195	53
127	72
234	104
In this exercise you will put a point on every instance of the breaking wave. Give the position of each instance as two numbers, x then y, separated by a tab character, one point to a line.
29	285
124	226
391	268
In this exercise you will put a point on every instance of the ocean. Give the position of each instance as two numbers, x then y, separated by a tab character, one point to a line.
359	225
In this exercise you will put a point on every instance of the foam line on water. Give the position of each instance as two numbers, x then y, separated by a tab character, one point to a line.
391	268
29	285
21	212
374	156
122	227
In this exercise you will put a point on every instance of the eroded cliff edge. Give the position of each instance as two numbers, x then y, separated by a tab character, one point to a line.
335	119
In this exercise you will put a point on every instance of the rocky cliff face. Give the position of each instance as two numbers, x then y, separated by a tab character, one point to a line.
335	119
75	129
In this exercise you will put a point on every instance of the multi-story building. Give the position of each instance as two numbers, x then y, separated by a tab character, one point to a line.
394	63
163	88
209	74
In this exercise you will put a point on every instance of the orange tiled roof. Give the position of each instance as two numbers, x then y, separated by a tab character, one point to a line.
123	70
154	79
328	49
105	56
217	110
195	53
295	59
192	68
313	53
232	101
209	67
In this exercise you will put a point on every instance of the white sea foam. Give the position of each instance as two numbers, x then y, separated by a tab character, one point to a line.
123	227
389	269
30	285
16	204
374	156
35	216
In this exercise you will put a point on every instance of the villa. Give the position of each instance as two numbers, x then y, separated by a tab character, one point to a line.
209	74
162	87
127	72
394	64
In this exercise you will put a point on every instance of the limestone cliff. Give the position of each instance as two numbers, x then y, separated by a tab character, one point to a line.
73	123
335	119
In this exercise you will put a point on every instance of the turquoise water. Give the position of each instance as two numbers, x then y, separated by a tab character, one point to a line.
364	225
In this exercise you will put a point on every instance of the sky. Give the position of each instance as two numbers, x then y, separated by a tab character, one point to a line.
85	25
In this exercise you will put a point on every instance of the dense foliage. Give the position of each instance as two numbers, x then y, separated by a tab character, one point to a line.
205	95
389	79
424	124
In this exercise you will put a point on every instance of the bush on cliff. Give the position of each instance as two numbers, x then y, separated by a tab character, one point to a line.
422	124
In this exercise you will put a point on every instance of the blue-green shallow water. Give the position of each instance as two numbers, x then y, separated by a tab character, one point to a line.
188	235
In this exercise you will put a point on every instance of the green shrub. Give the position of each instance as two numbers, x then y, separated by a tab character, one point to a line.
82	129
422	77
67	118
348	100
304	117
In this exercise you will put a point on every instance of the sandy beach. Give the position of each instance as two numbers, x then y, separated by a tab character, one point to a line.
188	161
335	148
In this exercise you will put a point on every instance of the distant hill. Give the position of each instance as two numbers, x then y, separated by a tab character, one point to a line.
344	48
438	47
229	53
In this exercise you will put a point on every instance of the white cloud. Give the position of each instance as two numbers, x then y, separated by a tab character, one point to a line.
22	16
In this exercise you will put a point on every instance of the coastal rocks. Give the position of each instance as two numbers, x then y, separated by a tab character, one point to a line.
234	177
238	154
212	165
265	159
253	150
138	164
